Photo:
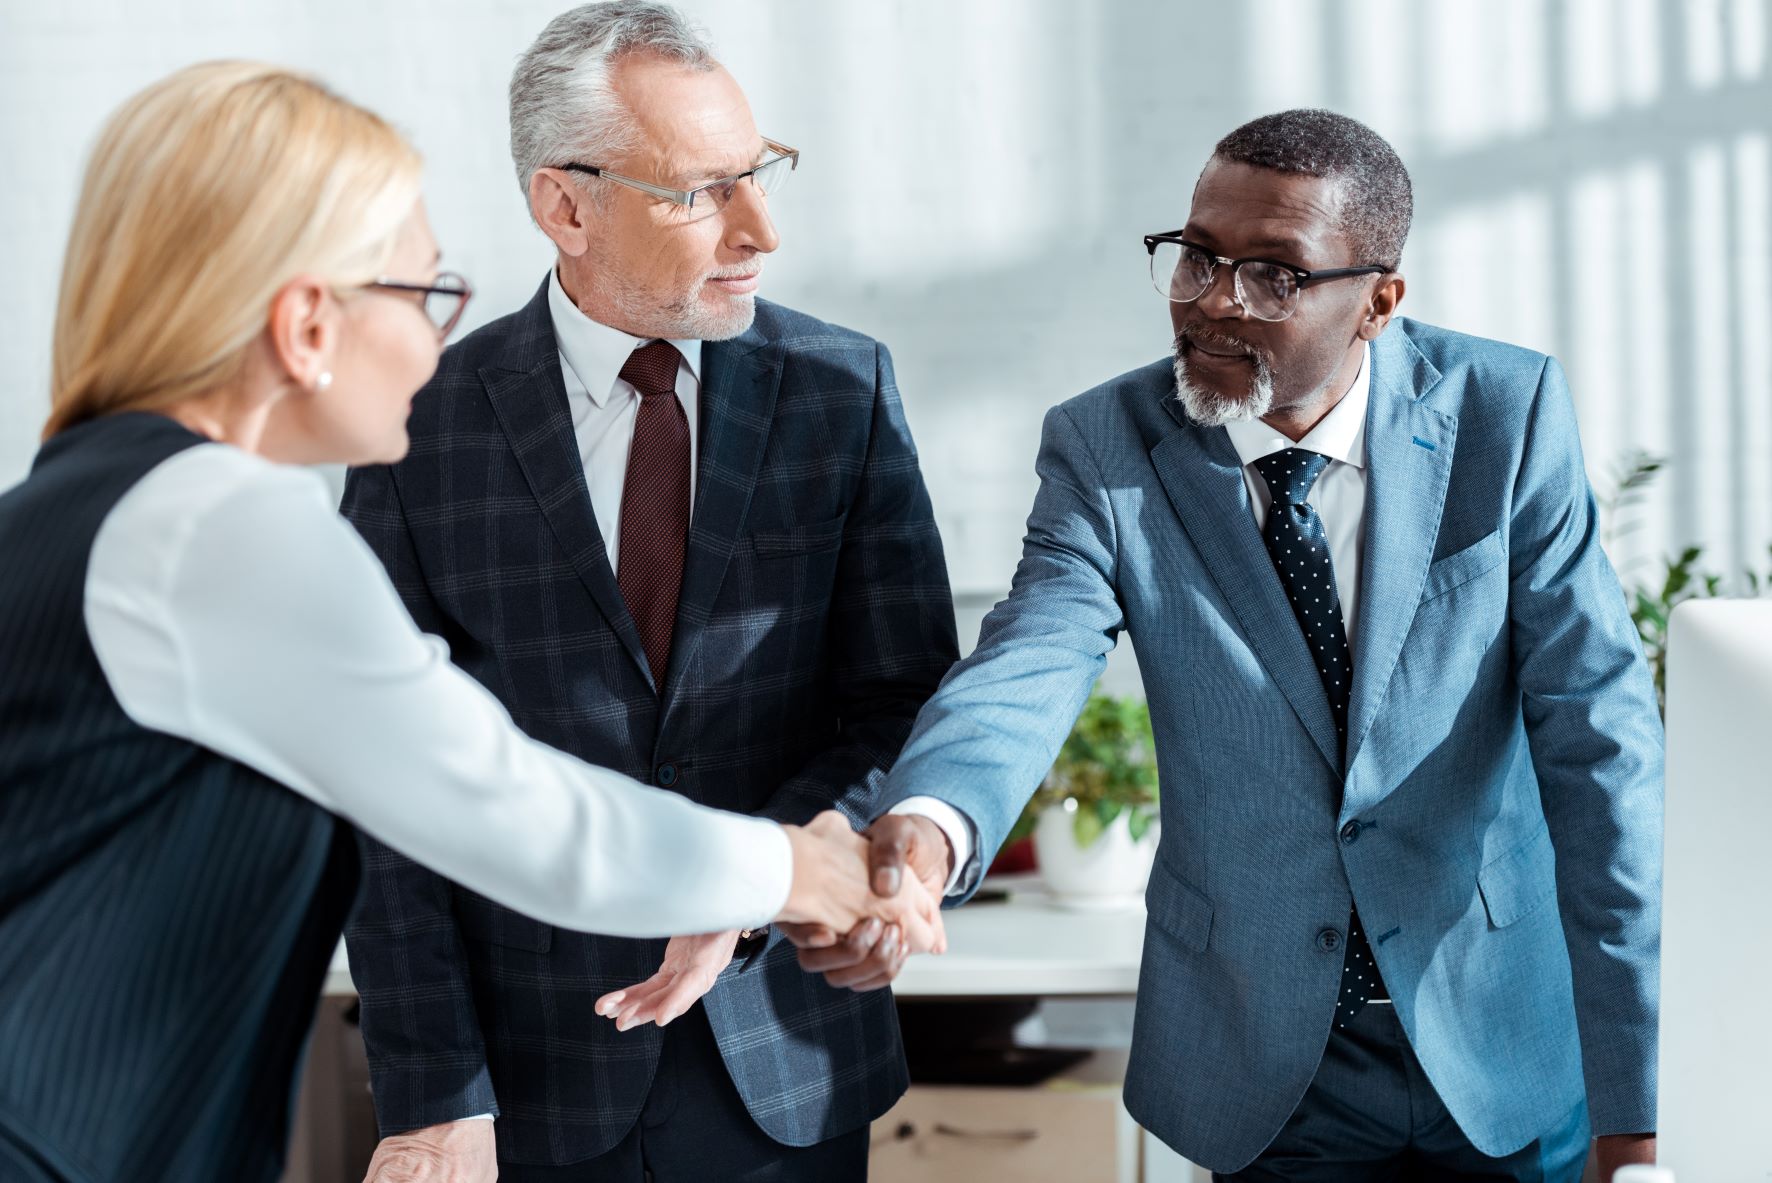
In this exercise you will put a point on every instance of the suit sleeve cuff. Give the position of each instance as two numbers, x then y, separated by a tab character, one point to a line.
952	823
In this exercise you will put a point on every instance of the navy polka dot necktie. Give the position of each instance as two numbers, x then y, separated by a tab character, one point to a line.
1300	551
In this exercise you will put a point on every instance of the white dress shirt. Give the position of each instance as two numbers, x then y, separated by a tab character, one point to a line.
1338	496
231	606
604	407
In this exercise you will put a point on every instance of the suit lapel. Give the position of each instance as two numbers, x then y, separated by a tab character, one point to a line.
528	395
1408	465
740	378
1204	479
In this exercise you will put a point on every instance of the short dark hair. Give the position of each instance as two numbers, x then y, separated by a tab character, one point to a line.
1379	201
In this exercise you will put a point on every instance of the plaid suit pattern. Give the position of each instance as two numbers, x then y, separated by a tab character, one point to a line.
814	620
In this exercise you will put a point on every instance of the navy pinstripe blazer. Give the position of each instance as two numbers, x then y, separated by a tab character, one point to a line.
814	621
166	914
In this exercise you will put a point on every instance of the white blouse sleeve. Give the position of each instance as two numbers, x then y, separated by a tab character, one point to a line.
231	606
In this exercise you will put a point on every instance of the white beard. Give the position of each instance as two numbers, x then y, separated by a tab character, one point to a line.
1211	409
685	318
698	322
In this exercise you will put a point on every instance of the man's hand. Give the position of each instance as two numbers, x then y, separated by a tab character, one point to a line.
1612	1151
871	954
898	841
830	890
688	971
454	1152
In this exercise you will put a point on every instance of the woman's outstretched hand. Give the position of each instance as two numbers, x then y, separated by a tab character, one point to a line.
832	893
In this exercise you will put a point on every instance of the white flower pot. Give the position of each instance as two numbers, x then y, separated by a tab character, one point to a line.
1109	874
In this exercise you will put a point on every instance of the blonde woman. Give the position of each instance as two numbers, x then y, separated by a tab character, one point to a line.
201	665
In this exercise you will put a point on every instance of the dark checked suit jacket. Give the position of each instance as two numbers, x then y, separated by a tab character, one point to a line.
814	620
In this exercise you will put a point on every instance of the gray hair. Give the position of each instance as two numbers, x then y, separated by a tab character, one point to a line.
1379	202
563	105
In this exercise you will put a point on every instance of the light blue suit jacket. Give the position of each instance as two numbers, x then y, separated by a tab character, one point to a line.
1504	757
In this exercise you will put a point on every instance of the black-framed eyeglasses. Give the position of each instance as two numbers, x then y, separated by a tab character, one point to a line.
1266	289
769	176
443	300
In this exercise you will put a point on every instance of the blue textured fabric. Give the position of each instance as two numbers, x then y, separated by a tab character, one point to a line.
1503	760
814	620
166	915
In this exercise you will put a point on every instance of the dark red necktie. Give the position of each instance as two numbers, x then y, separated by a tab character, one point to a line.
655	504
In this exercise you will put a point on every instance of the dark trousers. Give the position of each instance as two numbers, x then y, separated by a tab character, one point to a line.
1370	1116
694	1128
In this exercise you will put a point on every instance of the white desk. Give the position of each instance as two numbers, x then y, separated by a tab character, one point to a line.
1026	947
1029	947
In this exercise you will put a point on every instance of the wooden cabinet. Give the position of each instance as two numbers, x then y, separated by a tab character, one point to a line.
334	1133
1070	1129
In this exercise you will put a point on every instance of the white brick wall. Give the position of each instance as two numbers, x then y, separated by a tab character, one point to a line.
1591	179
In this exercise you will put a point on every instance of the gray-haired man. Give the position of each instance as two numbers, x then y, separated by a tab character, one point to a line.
682	533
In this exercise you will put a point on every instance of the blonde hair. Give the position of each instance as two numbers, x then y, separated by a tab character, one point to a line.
205	194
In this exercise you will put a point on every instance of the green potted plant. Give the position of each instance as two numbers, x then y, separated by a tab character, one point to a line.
1094	820
1680	579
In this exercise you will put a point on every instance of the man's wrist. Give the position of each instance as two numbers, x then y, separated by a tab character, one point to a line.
955	827
947	844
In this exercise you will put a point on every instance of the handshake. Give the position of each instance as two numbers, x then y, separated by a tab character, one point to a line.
859	906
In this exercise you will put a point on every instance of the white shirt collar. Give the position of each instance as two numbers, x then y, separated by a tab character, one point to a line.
597	352
1341	435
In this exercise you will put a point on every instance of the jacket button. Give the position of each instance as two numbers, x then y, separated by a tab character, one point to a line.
667	774
1328	940
1350	833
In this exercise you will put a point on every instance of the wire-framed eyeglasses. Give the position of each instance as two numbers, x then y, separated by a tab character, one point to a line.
769	175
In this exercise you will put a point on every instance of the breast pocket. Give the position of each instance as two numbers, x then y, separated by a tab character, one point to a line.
794	541
1462	566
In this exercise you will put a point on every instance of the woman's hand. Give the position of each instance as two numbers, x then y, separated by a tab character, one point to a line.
831	889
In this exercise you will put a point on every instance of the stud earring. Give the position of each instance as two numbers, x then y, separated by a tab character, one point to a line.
323	381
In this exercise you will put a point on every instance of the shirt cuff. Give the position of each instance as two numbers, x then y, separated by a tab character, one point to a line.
956	825
479	1117
768	872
